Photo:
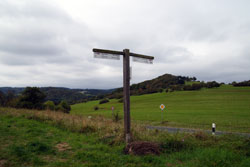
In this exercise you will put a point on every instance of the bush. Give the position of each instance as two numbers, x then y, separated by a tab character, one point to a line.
63	106
49	105
120	100
104	101
212	84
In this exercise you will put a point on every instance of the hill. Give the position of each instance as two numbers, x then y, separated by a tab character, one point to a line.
57	94
227	106
153	85
166	82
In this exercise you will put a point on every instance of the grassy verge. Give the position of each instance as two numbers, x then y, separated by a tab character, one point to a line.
42	138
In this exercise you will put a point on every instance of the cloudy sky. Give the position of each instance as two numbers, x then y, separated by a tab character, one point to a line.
50	42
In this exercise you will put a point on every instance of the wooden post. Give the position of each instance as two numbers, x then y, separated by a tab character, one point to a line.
126	81
126	94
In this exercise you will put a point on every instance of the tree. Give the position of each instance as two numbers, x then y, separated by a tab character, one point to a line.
9	99
2	99
32	98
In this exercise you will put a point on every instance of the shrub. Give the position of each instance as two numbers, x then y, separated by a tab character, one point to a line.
212	84
63	106
120	100
104	101
49	105
115	116
96	108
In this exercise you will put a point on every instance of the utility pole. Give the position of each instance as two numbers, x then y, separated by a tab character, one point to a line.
111	54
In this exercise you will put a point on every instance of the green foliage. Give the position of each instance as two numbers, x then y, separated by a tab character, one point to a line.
49	105
174	145
212	84
104	101
120	100
8	100
63	107
2	98
244	83
32	98
96	108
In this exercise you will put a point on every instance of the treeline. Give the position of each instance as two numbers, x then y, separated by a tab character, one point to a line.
198	86
244	83
32	98
57	94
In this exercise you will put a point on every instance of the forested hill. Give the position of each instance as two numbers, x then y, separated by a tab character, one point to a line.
155	85
57	94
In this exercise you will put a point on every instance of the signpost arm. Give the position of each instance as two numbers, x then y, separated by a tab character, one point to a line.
126	94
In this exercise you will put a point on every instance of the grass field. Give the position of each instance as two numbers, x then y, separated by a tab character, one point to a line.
53	139
227	106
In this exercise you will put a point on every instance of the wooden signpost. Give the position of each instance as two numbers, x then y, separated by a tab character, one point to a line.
111	54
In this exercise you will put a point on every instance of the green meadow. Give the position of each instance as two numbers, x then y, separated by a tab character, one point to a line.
53	139
227	106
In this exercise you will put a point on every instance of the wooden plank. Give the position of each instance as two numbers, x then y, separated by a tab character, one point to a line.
122	53
108	51
126	94
141	56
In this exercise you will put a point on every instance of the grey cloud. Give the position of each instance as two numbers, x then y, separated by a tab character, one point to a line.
169	54
39	32
47	47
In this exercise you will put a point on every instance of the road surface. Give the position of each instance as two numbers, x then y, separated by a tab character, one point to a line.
175	130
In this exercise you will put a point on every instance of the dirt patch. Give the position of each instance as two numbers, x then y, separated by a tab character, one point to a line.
142	148
2	163
63	147
201	135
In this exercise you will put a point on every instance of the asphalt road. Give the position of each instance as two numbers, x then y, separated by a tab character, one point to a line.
185	130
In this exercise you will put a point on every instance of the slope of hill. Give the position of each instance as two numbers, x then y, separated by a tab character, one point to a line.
227	106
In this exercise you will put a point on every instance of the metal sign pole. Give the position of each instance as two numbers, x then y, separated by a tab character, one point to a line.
162	116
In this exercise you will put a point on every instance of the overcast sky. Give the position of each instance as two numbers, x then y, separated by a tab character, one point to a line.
50	42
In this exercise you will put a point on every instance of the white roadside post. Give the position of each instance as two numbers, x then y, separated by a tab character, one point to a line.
162	106
213	128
